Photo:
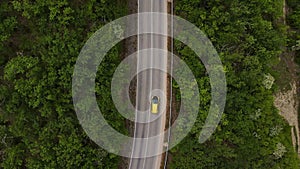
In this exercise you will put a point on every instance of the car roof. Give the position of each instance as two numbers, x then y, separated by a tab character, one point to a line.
154	98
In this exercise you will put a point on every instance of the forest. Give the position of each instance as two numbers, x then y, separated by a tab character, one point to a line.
40	42
249	36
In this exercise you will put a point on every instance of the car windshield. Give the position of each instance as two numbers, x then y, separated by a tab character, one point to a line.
155	99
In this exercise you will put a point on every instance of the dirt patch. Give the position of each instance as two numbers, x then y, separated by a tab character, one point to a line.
287	104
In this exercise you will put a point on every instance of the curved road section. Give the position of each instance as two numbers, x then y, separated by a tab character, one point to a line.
150	82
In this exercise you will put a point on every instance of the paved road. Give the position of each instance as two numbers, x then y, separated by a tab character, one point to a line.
150	82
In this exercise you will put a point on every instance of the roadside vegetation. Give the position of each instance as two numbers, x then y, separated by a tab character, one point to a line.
294	24
249	37
293	21
39	44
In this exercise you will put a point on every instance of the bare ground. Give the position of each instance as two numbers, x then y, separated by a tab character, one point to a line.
287	104
130	46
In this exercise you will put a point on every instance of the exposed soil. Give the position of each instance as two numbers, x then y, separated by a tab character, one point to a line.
170	117
130	46
287	104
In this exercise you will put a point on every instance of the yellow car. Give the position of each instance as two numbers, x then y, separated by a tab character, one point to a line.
154	104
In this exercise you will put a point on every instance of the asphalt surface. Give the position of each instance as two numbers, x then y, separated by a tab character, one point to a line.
150	82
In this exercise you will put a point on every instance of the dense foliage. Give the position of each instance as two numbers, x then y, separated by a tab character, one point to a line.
294	23
249	38
39	44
